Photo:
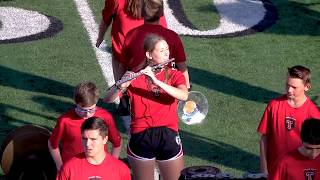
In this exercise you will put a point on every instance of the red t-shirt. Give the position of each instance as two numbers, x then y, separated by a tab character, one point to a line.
68	132
281	123
295	166
114	10
133	52
78	168
150	111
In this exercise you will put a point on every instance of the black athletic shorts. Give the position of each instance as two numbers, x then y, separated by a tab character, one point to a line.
160	143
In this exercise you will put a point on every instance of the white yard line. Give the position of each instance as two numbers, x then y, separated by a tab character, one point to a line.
103	57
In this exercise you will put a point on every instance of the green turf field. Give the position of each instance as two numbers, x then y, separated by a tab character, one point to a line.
238	75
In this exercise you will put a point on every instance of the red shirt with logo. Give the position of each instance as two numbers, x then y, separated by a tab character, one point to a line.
78	168
295	166
149	110
281	124
67	132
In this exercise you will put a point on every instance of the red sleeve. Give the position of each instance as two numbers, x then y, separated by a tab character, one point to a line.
113	133
108	11
57	133
178	79
263	126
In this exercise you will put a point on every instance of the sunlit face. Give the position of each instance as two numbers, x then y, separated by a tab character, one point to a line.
311	151
85	112
93	143
160	53
295	88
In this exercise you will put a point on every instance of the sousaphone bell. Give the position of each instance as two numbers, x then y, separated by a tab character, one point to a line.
24	154
194	109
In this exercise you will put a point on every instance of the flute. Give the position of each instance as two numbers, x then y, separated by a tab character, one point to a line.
135	75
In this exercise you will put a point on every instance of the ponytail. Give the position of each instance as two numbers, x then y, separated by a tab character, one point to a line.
133	8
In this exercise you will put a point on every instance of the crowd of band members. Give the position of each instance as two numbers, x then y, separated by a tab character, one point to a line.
289	128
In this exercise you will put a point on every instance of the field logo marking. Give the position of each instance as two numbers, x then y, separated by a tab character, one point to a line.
19	25
237	17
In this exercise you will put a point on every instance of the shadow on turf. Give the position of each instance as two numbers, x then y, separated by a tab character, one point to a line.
29	82
230	86
5	107
219	153
296	19
33	83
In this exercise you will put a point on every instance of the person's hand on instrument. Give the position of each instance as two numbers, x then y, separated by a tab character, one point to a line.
148	71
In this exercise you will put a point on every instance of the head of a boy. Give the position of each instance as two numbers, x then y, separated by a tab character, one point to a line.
86	96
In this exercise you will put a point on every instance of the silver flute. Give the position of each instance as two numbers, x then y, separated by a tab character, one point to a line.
135	75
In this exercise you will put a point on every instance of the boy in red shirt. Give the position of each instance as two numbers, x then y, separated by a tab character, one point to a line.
281	122
303	162
67	130
94	162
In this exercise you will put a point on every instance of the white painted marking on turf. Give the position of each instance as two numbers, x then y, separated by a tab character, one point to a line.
103	57
235	16
17	23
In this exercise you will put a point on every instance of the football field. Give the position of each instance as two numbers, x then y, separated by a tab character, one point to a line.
238	52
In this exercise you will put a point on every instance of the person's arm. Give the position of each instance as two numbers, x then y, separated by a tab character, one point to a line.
115	152
263	155
63	174
113	93
56	155
182	67
180	92
107	17
113	136
102	31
